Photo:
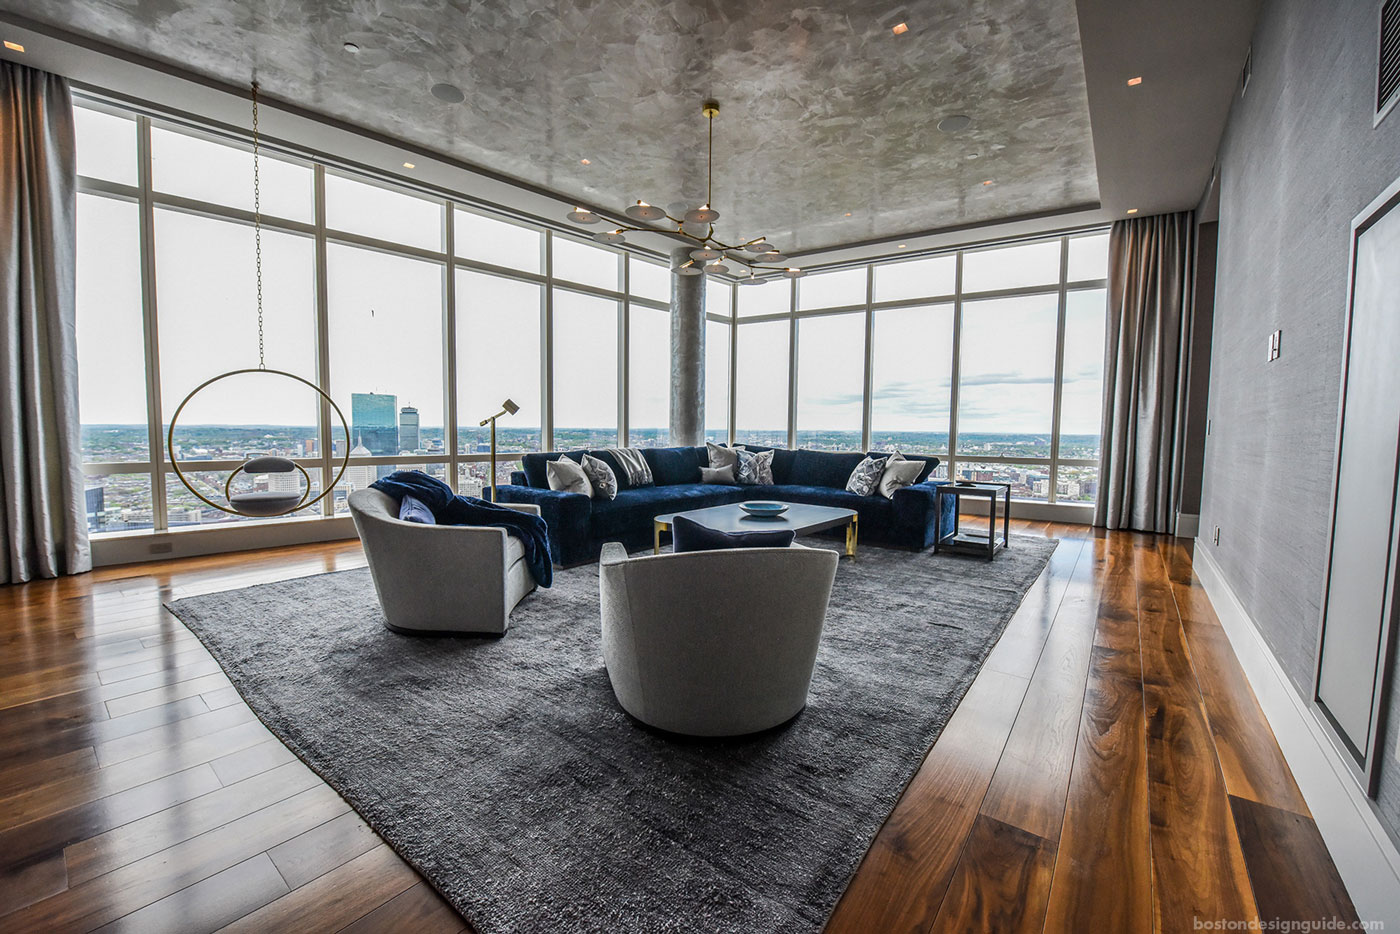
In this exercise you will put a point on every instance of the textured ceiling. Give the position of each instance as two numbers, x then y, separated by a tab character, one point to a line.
825	110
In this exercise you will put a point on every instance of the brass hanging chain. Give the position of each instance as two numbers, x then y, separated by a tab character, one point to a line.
257	227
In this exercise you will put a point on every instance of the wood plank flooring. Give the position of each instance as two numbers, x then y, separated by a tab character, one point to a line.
1109	770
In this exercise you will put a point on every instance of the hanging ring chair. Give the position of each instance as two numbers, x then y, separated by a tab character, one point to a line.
265	503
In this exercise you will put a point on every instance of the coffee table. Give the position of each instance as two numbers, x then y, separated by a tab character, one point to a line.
800	517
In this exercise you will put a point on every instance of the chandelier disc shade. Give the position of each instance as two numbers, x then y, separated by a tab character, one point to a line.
695	225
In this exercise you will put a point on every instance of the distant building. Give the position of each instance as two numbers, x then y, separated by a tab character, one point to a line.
96	500
359	476
408	429
374	418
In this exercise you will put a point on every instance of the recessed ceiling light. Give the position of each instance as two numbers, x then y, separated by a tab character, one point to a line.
848	213
954	122
900	29
987	182
585	162
1132	210
448	93
13	46
1134	82
409	165
352	48
903	245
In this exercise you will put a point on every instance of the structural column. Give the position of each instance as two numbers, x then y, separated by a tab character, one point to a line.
687	353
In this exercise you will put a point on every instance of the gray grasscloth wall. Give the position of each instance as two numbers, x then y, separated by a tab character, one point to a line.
1298	161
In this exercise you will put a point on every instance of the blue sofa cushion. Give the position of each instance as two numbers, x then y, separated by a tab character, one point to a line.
930	462
534	465
782	462
634	509
871	509
823	468
671	466
689	535
413	510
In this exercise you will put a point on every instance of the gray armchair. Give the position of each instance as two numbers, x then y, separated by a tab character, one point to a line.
714	643
440	578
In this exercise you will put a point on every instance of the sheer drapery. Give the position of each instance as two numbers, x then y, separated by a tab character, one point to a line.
41	476
1145	355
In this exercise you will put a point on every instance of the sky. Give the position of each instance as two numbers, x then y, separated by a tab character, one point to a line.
386	317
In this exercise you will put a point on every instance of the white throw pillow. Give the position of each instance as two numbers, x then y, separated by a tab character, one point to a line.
718	475
566	475
721	456
899	472
865	479
601	476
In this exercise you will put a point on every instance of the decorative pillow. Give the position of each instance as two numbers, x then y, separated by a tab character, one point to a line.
721	456
754	469
600	477
865	479
899	473
567	476
719	474
413	510
689	535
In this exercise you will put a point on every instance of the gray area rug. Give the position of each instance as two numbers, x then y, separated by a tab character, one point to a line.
504	770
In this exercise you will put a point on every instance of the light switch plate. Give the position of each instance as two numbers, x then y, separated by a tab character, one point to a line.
1275	345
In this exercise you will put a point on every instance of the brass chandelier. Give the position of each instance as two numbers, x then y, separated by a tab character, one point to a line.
698	226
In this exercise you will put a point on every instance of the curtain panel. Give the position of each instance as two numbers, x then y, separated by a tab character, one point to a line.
42	507
1145	368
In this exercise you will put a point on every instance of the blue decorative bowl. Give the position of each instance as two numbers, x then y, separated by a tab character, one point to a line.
764	508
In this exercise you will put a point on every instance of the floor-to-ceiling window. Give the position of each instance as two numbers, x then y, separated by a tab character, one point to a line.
419	315
989	357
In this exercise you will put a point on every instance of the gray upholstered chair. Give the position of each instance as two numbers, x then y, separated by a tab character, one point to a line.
440	578
714	643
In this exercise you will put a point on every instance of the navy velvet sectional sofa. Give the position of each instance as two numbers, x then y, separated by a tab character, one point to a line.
578	526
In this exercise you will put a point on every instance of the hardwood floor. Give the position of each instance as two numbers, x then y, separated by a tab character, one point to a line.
1109	770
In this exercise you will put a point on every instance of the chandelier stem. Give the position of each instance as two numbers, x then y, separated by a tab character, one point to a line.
710	168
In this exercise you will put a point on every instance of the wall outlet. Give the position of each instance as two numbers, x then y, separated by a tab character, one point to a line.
1217	535
1207	426
1275	345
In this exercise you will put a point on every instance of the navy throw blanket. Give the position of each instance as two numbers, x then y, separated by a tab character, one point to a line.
450	509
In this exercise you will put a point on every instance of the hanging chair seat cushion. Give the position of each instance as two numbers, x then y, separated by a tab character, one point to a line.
264	503
268	464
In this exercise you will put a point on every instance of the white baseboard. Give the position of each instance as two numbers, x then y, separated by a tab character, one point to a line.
145	545
1188	525
1366	857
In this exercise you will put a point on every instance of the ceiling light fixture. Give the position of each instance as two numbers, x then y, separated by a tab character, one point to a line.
848	213
585	162
1134	82
448	93
13	46
1132	210
903	245
987	182
409	165
352	48
900	29
954	122
696	225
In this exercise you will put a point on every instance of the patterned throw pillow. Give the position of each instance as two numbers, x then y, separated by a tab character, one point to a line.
899	473
601	476
865	479
754	469
565	474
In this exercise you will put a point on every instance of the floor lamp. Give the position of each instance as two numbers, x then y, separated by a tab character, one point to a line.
507	408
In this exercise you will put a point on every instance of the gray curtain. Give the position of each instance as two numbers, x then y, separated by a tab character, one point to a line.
41	476
1149	293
